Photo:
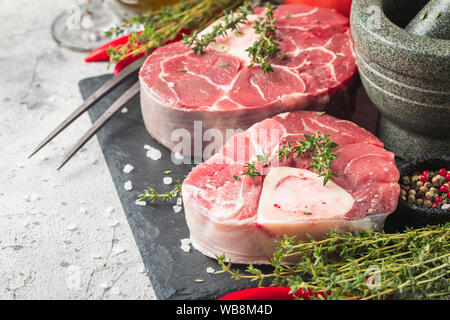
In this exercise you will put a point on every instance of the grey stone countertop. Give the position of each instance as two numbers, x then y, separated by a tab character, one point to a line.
63	235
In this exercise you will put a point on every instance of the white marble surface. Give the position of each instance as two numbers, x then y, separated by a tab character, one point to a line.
63	235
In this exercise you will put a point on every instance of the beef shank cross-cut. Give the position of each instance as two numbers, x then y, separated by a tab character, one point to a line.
220	89
243	217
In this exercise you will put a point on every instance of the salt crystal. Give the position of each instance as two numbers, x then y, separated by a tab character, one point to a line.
445	206
186	241
128	168
128	186
140	203
167	180
154	154
210	270
185	245
72	227
179	201
124	110
177	208
110	210
146	146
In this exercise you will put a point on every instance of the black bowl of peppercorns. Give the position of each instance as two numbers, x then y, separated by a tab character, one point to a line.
424	193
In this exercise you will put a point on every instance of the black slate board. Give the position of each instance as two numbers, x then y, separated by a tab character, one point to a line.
157	228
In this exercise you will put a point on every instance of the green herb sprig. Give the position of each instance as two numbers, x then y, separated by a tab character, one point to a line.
231	23
264	49
364	265
152	195
318	144
165	24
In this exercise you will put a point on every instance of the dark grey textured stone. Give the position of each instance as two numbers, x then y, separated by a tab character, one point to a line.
432	21
405	75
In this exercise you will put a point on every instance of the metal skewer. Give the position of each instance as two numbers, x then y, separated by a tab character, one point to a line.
91	100
112	110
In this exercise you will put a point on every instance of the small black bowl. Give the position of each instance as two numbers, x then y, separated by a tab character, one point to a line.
410	215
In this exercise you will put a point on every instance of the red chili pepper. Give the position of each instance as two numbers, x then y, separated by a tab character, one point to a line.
122	64
100	54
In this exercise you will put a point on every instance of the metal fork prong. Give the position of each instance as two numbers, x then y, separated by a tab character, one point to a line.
90	101
111	111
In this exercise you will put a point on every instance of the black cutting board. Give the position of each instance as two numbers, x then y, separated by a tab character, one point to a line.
157	229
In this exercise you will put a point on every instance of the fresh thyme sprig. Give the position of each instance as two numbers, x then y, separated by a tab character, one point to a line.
152	195
264	49
322	148
231	23
364	265
165	24
318	144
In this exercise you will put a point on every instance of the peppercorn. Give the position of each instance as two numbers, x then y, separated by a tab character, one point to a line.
434	179
406	180
412	192
424	178
423	189
419	202
427	184
419	184
442	172
443	188
411	198
438	199
415	178
429	195
427	204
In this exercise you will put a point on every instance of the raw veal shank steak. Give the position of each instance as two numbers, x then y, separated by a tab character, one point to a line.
243	217
219	87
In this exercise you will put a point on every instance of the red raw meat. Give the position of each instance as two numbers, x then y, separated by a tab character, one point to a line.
242	218
222	89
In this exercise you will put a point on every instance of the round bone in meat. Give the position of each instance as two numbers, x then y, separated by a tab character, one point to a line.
242	217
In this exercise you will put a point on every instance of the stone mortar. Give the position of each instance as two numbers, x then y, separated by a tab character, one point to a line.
407	77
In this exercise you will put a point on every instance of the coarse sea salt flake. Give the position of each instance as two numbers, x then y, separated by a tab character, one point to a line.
210	270
177	208
128	185
154	154
179	201
124	110
140	203
167	180
185	245
128	168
